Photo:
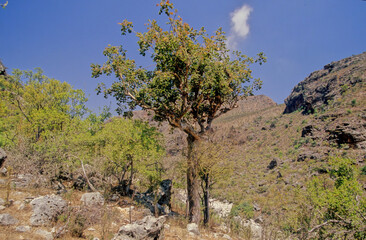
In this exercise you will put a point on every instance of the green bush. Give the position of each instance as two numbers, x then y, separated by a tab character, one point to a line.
338	204
243	209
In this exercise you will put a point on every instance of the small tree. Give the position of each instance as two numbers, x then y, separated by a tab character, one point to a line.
126	147
195	80
213	167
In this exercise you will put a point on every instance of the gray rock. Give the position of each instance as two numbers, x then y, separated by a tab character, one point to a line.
193	229
2	208
225	236
221	208
7	219
92	199
23	229
23	180
3	156
163	195
44	234
46	209
149	228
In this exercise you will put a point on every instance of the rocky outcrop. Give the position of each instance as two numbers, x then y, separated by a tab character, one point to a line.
46	209
148	228
326	85
351	133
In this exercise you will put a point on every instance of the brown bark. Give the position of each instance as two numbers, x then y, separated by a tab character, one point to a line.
193	184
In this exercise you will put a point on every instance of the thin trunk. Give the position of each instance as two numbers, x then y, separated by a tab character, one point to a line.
206	197
193	184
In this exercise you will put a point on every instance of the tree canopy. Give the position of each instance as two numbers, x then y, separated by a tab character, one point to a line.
195	79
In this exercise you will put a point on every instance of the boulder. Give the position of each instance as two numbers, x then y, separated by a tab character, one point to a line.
221	208
3	156
46	209
193	229
23	229
163	196
148	228
272	164
92	199
7	219
44	234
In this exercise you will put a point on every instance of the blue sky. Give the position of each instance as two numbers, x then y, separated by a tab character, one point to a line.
297	36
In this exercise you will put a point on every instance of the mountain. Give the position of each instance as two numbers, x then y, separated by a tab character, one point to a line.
322	87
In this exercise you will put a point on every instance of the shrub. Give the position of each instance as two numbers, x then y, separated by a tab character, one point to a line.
243	209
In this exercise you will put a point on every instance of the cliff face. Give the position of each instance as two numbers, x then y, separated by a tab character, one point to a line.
326	85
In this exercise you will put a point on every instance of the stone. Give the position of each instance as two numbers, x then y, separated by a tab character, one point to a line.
3	157
23	180
3	172
46	209
21	206
193	229
44	234
256	228
2	208
92	199
163	195
272	164
23	229
7	219
309	155
225	236
148	228
221	208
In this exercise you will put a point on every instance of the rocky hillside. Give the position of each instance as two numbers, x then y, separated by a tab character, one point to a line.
272	150
322	87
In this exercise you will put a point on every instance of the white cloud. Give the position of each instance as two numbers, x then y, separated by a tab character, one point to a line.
239	25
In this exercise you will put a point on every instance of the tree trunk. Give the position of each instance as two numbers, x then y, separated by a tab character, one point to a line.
193	183
206	197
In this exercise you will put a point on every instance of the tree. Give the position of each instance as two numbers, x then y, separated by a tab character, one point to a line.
213	167
195	80
35	105
126	148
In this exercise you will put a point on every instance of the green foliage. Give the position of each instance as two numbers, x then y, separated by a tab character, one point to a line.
353	102
125	147
338	203
194	75
243	209
363	170
35	106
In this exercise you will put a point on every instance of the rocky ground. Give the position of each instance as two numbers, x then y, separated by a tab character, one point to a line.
39	213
